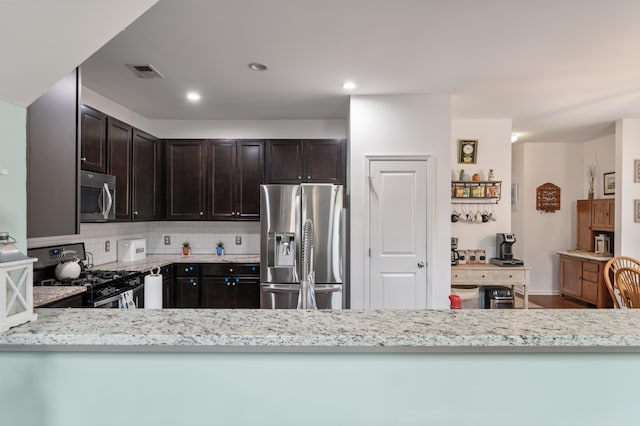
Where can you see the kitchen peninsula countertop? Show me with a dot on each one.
(151, 260)
(193, 330)
(589, 255)
(48, 294)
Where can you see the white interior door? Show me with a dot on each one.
(398, 234)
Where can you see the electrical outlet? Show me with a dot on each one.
(107, 246)
(167, 240)
(238, 240)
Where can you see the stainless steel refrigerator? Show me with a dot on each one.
(284, 209)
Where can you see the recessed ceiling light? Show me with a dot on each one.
(256, 66)
(348, 85)
(514, 137)
(193, 96)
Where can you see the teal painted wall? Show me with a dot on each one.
(13, 187)
(100, 389)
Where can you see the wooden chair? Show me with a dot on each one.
(627, 281)
(610, 269)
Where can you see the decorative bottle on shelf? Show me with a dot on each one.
(490, 177)
(461, 177)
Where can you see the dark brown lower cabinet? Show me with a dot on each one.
(186, 290)
(230, 292)
(231, 286)
(168, 300)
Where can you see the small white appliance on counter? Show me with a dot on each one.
(132, 249)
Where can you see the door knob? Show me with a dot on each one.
(421, 264)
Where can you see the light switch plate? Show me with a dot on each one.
(167, 240)
(238, 240)
(107, 246)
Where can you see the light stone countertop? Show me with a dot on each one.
(585, 255)
(47, 294)
(161, 260)
(187, 330)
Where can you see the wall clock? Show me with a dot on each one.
(467, 151)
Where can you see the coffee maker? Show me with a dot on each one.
(504, 251)
(455, 256)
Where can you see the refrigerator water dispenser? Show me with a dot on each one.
(285, 249)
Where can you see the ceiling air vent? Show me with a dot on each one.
(145, 71)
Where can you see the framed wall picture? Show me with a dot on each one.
(609, 183)
(636, 171)
(467, 151)
(636, 211)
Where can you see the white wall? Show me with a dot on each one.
(494, 152)
(218, 129)
(540, 235)
(114, 109)
(248, 129)
(627, 238)
(13, 159)
(600, 151)
(402, 125)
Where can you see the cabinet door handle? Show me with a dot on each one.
(483, 276)
(308, 177)
(230, 269)
(83, 159)
(299, 177)
(201, 213)
(233, 213)
(135, 212)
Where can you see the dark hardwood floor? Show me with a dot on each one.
(557, 302)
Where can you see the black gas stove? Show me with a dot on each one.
(104, 287)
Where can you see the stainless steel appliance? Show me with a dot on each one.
(103, 287)
(97, 197)
(504, 251)
(284, 209)
(455, 256)
(498, 298)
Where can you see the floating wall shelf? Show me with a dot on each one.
(484, 191)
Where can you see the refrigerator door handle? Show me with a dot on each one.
(274, 288)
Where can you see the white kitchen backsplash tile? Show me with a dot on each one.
(202, 236)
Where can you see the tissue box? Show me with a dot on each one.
(131, 250)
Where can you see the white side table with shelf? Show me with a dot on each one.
(488, 274)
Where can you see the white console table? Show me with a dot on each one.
(487, 274)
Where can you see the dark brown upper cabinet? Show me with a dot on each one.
(119, 152)
(324, 161)
(146, 179)
(185, 181)
(214, 179)
(284, 161)
(93, 140)
(52, 160)
(235, 173)
(309, 160)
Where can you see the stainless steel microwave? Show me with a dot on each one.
(97, 197)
